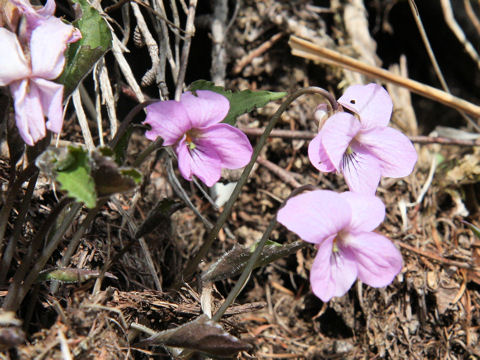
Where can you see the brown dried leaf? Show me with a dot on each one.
(201, 334)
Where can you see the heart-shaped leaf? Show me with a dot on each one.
(241, 102)
(70, 166)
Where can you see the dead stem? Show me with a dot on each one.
(309, 50)
(20, 221)
(309, 135)
(433, 59)
(17, 289)
(190, 31)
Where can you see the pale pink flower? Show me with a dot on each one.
(193, 127)
(340, 225)
(363, 149)
(28, 64)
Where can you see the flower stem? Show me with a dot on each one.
(193, 264)
(254, 257)
(246, 272)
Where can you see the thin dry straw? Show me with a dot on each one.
(309, 50)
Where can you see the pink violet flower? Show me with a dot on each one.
(340, 225)
(363, 149)
(193, 127)
(28, 64)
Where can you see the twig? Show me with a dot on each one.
(283, 174)
(66, 355)
(176, 21)
(219, 54)
(238, 3)
(82, 119)
(98, 101)
(309, 135)
(247, 59)
(152, 46)
(190, 32)
(161, 16)
(428, 182)
(457, 31)
(471, 15)
(117, 48)
(309, 50)
(107, 96)
(433, 60)
(426, 42)
(436, 257)
(165, 49)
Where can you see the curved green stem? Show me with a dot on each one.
(254, 257)
(246, 273)
(192, 266)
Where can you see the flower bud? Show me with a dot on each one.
(321, 114)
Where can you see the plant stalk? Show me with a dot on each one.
(193, 264)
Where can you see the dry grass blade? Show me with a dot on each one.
(309, 50)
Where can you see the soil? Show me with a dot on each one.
(432, 308)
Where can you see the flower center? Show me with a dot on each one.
(335, 248)
(189, 136)
(349, 159)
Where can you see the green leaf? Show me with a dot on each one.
(83, 54)
(84, 176)
(70, 166)
(233, 262)
(241, 102)
(73, 174)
